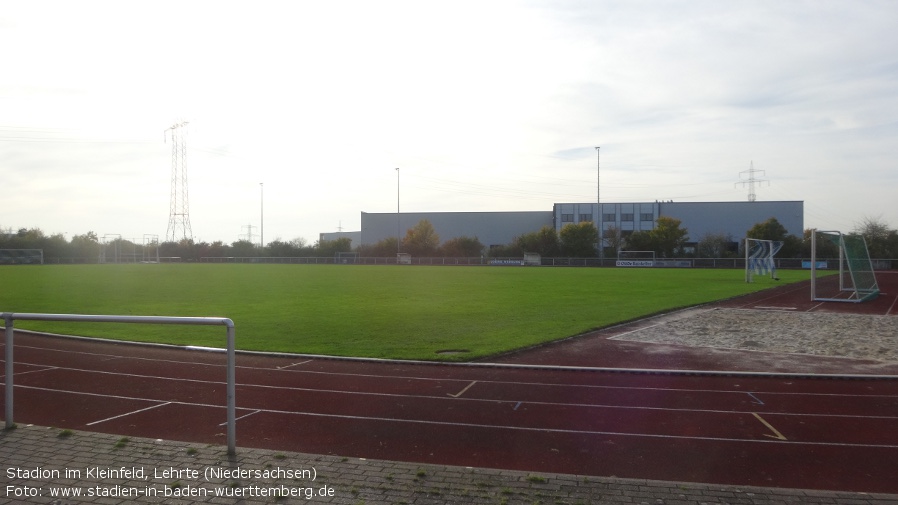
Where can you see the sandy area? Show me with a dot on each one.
(813, 333)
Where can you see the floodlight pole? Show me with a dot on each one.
(261, 216)
(398, 227)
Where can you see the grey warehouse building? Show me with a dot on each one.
(501, 228)
(492, 228)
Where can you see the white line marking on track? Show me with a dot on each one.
(463, 390)
(34, 371)
(475, 425)
(293, 364)
(759, 402)
(524, 384)
(128, 414)
(241, 417)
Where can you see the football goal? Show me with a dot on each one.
(403, 259)
(346, 258)
(856, 280)
(759, 258)
(532, 259)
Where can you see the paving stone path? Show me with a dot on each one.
(108, 469)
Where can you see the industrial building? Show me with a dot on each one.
(501, 228)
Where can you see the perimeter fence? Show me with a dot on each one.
(729, 263)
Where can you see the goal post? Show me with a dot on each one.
(856, 279)
(760, 258)
(403, 259)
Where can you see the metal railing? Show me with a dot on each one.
(10, 317)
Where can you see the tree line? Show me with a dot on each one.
(668, 239)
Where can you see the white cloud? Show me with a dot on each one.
(482, 105)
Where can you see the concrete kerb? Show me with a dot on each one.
(106, 468)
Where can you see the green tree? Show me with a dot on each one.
(614, 240)
(421, 239)
(328, 248)
(772, 229)
(244, 249)
(545, 242)
(639, 241)
(668, 238)
(385, 248)
(881, 241)
(768, 230)
(462, 247)
(579, 240)
(86, 247)
(715, 245)
(512, 250)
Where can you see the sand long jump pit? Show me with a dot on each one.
(858, 336)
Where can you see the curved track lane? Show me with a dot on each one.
(781, 431)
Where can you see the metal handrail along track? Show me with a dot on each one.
(10, 317)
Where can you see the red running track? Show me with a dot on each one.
(765, 431)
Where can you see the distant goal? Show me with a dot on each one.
(346, 258)
(760, 258)
(403, 259)
(532, 259)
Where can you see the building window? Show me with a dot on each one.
(567, 218)
(608, 218)
(626, 217)
(646, 216)
(585, 217)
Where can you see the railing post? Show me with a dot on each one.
(7, 319)
(231, 392)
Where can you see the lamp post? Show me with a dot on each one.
(398, 228)
(261, 216)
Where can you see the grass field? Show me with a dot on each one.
(373, 311)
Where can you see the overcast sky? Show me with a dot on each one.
(482, 105)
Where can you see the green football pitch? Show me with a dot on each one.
(408, 312)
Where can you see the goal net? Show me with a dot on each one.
(635, 258)
(856, 280)
(759, 258)
(346, 258)
(533, 259)
(403, 259)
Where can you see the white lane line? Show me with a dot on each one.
(493, 400)
(757, 400)
(293, 364)
(469, 386)
(128, 413)
(241, 417)
(589, 387)
(34, 371)
(488, 426)
(579, 432)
